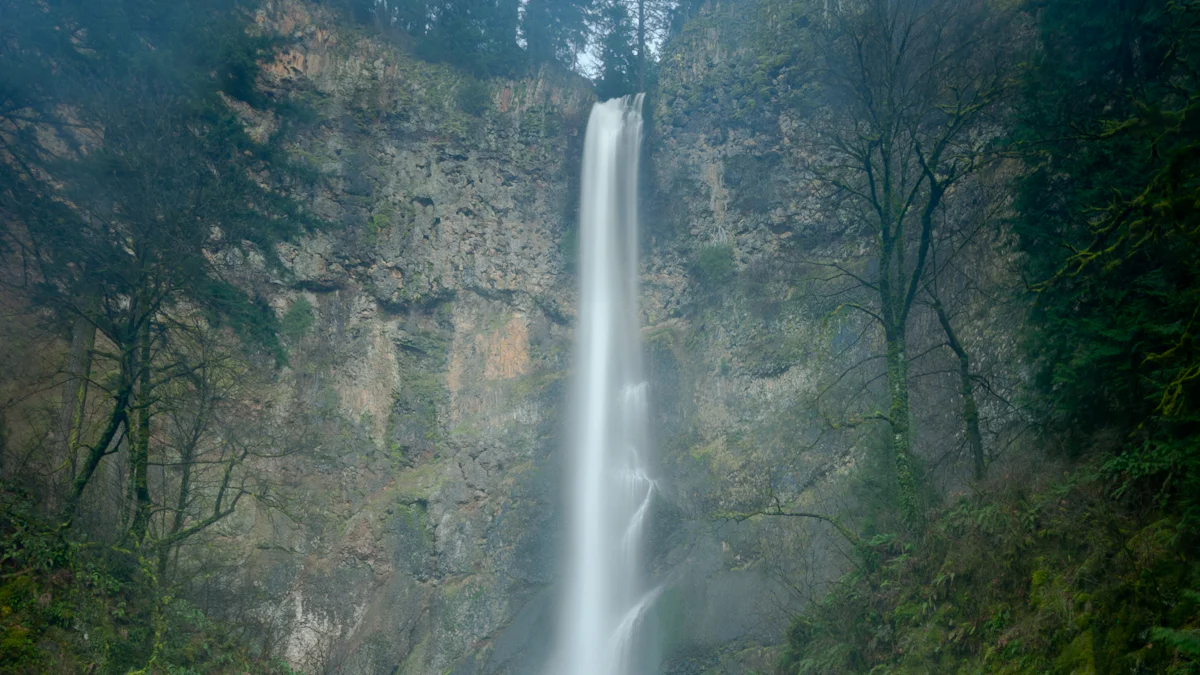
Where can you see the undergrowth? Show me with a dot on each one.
(72, 607)
(1055, 579)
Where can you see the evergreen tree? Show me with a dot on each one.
(618, 57)
(128, 186)
(556, 30)
(1109, 127)
(479, 35)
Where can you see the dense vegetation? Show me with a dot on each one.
(613, 41)
(1107, 217)
(1089, 567)
(1051, 577)
(127, 179)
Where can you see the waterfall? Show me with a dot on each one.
(609, 488)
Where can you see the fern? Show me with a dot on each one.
(1186, 641)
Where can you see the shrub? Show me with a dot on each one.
(474, 97)
(298, 320)
(714, 264)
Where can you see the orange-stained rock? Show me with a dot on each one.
(506, 351)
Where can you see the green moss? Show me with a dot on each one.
(67, 606)
(298, 320)
(465, 430)
(432, 344)
(474, 97)
(568, 249)
(418, 483)
(382, 219)
(1057, 581)
(1078, 658)
(416, 661)
(714, 265)
(533, 384)
(773, 353)
(414, 425)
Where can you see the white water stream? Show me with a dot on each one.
(609, 489)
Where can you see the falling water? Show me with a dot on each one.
(609, 488)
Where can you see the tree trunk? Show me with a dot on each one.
(970, 409)
(96, 453)
(641, 40)
(185, 486)
(164, 552)
(3, 443)
(74, 396)
(139, 455)
(898, 416)
(971, 416)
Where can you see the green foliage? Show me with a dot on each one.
(130, 193)
(1054, 580)
(1108, 222)
(1187, 642)
(556, 30)
(71, 607)
(508, 38)
(413, 426)
(714, 265)
(474, 97)
(773, 354)
(479, 36)
(161, 177)
(618, 56)
(381, 219)
(298, 320)
(568, 248)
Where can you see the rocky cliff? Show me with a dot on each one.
(431, 332)
(430, 335)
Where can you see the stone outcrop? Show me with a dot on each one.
(422, 410)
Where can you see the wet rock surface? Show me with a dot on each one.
(424, 405)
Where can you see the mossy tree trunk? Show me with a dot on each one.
(139, 455)
(181, 504)
(893, 288)
(74, 396)
(118, 418)
(187, 458)
(899, 279)
(912, 82)
(967, 389)
(901, 428)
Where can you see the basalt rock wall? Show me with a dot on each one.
(423, 407)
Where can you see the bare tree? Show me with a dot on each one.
(911, 84)
(970, 412)
(972, 290)
(205, 437)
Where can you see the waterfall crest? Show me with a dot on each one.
(609, 489)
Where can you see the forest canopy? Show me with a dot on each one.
(615, 42)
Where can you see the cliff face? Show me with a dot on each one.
(431, 336)
(423, 405)
(768, 381)
(423, 395)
